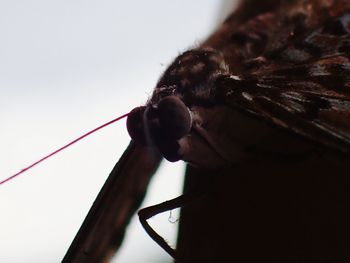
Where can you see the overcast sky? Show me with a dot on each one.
(65, 68)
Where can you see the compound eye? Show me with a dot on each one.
(174, 117)
(135, 125)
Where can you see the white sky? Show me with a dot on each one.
(65, 68)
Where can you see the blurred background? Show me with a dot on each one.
(65, 68)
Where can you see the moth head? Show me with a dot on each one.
(171, 120)
(161, 125)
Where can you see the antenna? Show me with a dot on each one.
(62, 148)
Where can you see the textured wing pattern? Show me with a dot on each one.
(301, 84)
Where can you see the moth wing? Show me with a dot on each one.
(303, 87)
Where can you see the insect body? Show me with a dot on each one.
(178, 107)
(298, 82)
(261, 112)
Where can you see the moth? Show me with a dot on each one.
(260, 111)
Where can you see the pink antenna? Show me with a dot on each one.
(62, 148)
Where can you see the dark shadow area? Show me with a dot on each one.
(267, 211)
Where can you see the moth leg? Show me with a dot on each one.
(148, 212)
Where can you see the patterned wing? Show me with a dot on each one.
(302, 83)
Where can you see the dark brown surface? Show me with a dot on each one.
(269, 210)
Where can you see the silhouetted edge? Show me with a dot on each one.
(103, 229)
